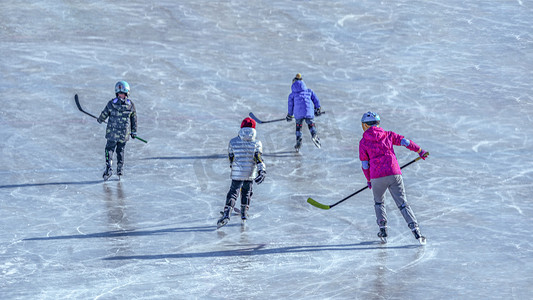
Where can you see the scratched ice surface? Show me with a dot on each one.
(454, 76)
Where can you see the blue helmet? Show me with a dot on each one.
(122, 87)
(370, 117)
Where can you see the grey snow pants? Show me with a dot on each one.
(394, 183)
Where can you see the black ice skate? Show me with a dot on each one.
(108, 172)
(316, 140)
(298, 144)
(382, 234)
(119, 172)
(244, 213)
(421, 239)
(225, 217)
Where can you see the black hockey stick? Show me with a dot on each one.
(80, 108)
(262, 122)
(270, 121)
(85, 112)
(324, 206)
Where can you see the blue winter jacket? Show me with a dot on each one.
(302, 100)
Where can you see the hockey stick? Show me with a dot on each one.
(261, 122)
(83, 111)
(324, 206)
(270, 121)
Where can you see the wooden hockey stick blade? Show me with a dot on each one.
(316, 204)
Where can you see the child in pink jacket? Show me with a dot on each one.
(382, 171)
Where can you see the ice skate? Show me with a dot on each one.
(225, 217)
(316, 141)
(298, 144)
(244, 213)
(119, 172)
(421, 239)
(382, 234)
(108, 172)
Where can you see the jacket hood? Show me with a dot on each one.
(374, 133)
(247, 134)
(298, 86)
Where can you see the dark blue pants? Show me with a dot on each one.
(110, 148)
(245, 189)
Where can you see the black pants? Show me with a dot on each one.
(245, 188)
(112, 146)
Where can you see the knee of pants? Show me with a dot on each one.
(403, 206)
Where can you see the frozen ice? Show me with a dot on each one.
(453, 76)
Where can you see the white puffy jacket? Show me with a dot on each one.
(245, 155)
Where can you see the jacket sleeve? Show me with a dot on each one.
(290, 108)
(258, 157)
(104, 114)
(408, 144)
(231, 154)
(365, 161)
(133, 118)
(316, 102)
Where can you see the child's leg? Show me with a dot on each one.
(311, 125)
(120, 155)
(397, 191)
(109, 150)
(246, 197)
(379, 187)
(299, 124)
(232, 195)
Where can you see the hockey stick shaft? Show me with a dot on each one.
(324, 206)
(271, 121)
(261, 122)
(81, 109)
(77, 100)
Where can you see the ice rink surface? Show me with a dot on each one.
(453, 76)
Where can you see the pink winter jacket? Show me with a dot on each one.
(376, 147)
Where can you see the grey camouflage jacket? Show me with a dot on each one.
(122, 119)
(245, 155)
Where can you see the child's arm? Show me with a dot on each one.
(104, 114)
(365, 165)
(314, 98)
(414, 147)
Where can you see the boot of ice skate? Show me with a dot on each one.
(225, 217)
(244, 212)
(298, 144)
(108, 171)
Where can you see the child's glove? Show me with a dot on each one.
(288, 118)
(260, 177)
(423, 154)
(318, 111)
(133, 135)
(369, 184)
(99, 121)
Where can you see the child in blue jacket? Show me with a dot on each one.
(303, 106)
